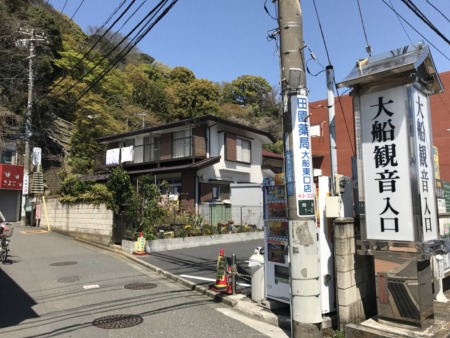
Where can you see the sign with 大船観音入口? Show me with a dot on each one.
(395, 173)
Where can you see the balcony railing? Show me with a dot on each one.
(181, 148)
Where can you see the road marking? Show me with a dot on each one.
(260, 326)
(93, 286)
(212, 280)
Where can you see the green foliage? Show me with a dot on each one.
(119, 184)
(74, 191)
(181, 75)
(247, 90)
(137, 83)
(149, 213)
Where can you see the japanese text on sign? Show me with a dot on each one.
(303, 166)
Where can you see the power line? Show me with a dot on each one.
(429, 42)
(321, 32)
(401, 23)
(130, 45)
(368, 48)
(439, 11)
(78, 8)
(421, 16)
(157, 8)
(90, 50)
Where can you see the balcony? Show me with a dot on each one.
(186, 149)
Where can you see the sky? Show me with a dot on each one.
(220, 40)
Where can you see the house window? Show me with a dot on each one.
(243, 150)
(182, 143)
(6, 156)
(237, 148)
(151, 149)
(174, 185)
(220, 192)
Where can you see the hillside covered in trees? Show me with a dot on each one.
(91, 84)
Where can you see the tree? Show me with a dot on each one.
(205, 97)
(247, 91)
(119, 184)
(181, 75)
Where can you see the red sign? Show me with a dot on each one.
(11, 177)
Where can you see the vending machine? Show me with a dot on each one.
(277, 241)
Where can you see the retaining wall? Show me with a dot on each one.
(83, 221)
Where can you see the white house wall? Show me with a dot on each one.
(230, 170)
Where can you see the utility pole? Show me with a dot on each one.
(332, 127)
(30, 44)
(306, 314)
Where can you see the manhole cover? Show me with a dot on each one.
(69, 279)
(63, 263)
(117, 321)
(140, 286)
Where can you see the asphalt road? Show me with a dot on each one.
(199, 265)
(54, 286)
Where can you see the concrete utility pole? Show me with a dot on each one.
(30, 44)
(332, 127)
(300, 189)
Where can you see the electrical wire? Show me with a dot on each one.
(429, 42)
(267, 11)
(334, 80)
(401, 23)
(94, 45)
(421, 16)
(368, 48)
(156, 9)
(439, 11)
(62, 10)
(321, 32)
(143, 32)
(90, 50)
(76, 11)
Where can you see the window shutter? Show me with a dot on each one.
(230, 147)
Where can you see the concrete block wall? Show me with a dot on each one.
(355, 282)
(83, 221)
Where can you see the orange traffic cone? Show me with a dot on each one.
(221, 280)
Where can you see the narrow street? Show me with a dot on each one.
(55, 286)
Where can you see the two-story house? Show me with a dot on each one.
(199, 157)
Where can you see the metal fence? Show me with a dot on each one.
(235, 214)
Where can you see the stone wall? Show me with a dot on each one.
(355, 284)
(82, 221)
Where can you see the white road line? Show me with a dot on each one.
(88, 287)
(212, 280)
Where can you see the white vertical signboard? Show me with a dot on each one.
(303, 161)
(386, 164)
(424, 164)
